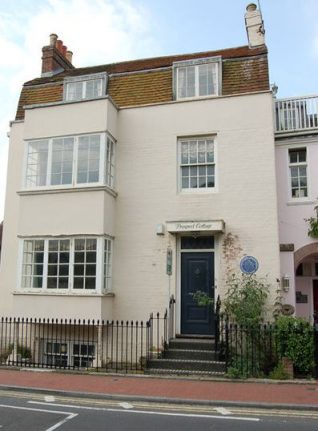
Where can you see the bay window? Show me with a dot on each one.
(80, 264)
(70, 161)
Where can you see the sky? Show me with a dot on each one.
(106, 31)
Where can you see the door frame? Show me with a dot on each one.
(216, 251)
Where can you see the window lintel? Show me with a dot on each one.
(197, 61)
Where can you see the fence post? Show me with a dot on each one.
(316, 349)
(227, 347)
(217, 322)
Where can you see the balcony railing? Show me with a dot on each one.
(296, 114)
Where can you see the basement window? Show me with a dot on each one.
(197, 78)
(85, 87)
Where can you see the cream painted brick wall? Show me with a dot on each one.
(147, 185)
(148, 192)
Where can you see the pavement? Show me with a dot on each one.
(302, 395)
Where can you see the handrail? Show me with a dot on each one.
(296, 114)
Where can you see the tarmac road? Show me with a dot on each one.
(29, 411)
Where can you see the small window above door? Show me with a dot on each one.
(197, 243)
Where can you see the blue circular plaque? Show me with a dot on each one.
(249, 265)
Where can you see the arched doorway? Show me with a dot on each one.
(306, 281)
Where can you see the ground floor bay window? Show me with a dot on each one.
(78, 264)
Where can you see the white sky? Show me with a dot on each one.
(105, 31)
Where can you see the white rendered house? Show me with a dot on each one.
(125, 180)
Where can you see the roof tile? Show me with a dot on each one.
(148, 81)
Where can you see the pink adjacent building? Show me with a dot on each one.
(296, 140)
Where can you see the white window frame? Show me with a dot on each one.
(105, 177)
(103, 77)
(180, 164)
(297, 164)
(217, 60)
(99, 277)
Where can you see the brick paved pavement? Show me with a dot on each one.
(305, 393)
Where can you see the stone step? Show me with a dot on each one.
(187, 364)
(204, 355)
(192, 344)
(168, 372)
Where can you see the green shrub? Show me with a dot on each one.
(234, 373)
(279, 373)
(245, 299)
(295, 340)
(202, 298)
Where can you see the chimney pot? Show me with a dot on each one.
(59, 44)
(251, 7)
(55, 57)
(69, 56)
(53, 39)
(254, 26)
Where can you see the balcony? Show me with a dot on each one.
(296, 115)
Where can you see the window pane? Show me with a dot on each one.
(302, 155)
(88, 159)
(74, 91)
(190, 81)
(193, 152)
(201, 242)
(90, 269)
(62, 161)
(78, 283)
(51, 283)
(58, 264)
(182, 82)
(210, 151)
(63, 270)
(185, 183)
(205, 84)
(109, 167)
(193, 182)
(202, 152)
(90, 283)
(32, 264)
(93, 88)
(80, 244)
(36, 172)
(184, 152)
(79, 269)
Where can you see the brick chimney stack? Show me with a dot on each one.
(55, 57)
(254, 26)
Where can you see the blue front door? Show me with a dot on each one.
(197, 273)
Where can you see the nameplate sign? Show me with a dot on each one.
(196, 226)
(287, 247)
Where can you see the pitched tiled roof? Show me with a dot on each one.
(146, 81)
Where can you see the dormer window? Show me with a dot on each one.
(197, 78)
(85, 87)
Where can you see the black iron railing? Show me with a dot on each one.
(108, 346)
(161, 329)
(257, 350)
